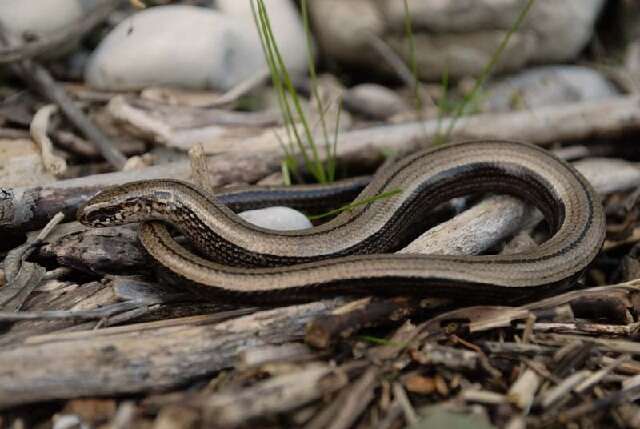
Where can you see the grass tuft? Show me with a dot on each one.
(300, 139)
(472, 96)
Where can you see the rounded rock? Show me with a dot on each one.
(547, 86)
(193, 47)
(374, 101)
(19, 17)
(278, 218)
(183, 46)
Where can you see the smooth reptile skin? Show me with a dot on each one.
(352, 252)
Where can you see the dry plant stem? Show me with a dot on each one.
(553, 395)
(38, 129)
(450, 357)
(68, 33)
(199, 170)
(522, 392)
(610, 400)
(134, 358)
(482, 318)
(410, 416)
(79, 146)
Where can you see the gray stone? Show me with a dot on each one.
(546, 86)
(374, 101)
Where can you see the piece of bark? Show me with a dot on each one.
(290, 352)
(434, 354)
(323, 330)
(137, 358)
(99, 250)
(474, 230)
(522, 392)
(24, 276)
(278, 394)
(613, 398)
(481, 318)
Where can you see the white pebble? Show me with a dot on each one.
(192, 47)
(278, 218)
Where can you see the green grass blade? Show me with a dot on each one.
(488, 69)
(356, 203)
(413, 64)
(316, 164)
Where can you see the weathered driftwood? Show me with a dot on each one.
(576, 121)
(613, 116)
(30, 208)
(104, 250)
(142, 357)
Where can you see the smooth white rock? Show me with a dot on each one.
(286, 24)
(42, 17)
(184, 46)
(546, 86)
(193, 47)
(278, 218)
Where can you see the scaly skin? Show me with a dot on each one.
(352, 253)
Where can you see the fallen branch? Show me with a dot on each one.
(601, 118)
(138, 358)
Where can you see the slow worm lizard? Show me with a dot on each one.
(352, 253)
